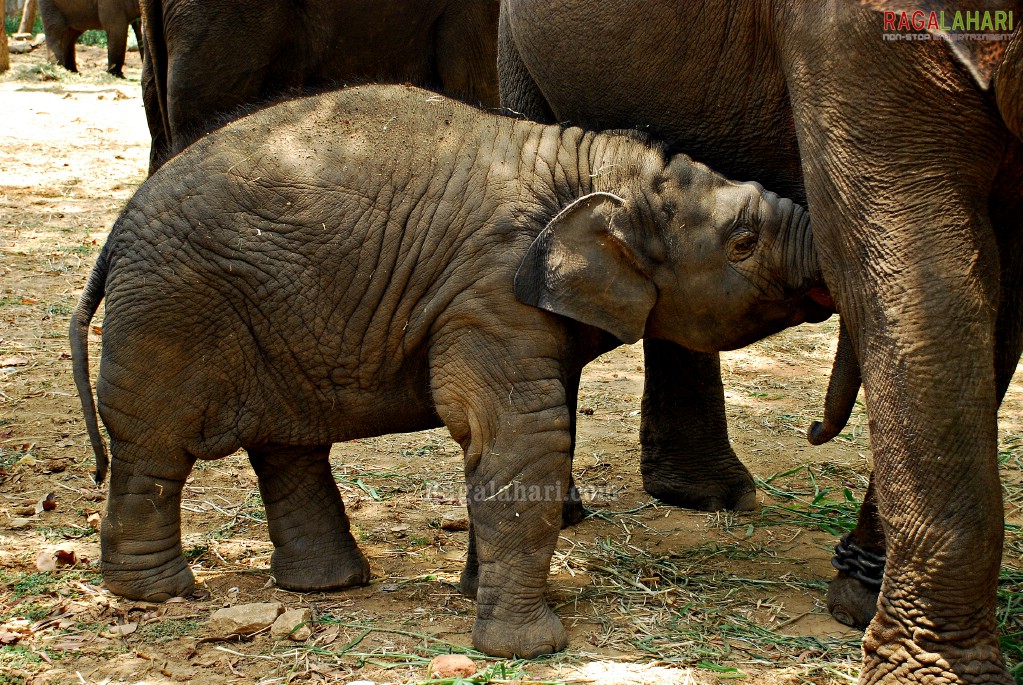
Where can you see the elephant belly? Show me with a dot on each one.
(304, 412)
(81, 16)
(728, 109)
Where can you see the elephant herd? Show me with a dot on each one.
(339, 255)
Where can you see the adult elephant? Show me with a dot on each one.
(205, 59)
(909, 155)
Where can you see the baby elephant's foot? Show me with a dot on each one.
(172, 579)
(315, 570)
(544, 635)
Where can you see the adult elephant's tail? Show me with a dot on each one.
(79, 335)
(154, 82)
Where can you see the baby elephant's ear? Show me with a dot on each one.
(580, 267)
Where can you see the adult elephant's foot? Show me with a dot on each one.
(320, 568)
(128, 578)
(961, 658)
(851, 602)
(499, 633)
(687, 459)
(314, 548)
(573, 511)
(708, 483)
(852, 595)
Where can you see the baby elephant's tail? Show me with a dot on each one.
(79, 335)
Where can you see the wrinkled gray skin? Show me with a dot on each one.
(64, 21)
(207, 58)
(385, 260)
(909, 155)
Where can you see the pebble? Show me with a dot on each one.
(451, 666)
(244, 619)
(293, 624)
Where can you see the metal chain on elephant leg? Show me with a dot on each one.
(858, 563)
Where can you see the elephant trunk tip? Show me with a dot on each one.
(843, 388)
(821, 432)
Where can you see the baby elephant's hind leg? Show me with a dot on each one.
(141, 533)
(314, 549)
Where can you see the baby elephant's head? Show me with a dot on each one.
(691, 257)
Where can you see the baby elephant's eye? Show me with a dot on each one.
(741, 244)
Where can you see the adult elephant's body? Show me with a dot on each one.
(906, 155)
(208, 58)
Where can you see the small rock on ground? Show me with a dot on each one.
(451, 666)
(244, 619)
(293, 624)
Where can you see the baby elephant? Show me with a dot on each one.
(64, 21)
(381, 260)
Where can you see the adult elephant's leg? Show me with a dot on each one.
(159, 150)
(136, 27)
(573, 511)
(860, 560)
(469, 582)
(686, 458)
(907, 246)
(313, 546)
(140, 537)
(117, 47)
(860, 556)
(1006, 207)
(519, 92)
(66, 57)
(466, 51)
(60, 37)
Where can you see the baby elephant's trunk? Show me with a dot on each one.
(801, 263)
(798, 262)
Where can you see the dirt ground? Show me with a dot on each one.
(649, 593)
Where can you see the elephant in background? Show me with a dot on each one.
(909, 155)
(205, 59)
(314, 293)
(64, 21)
(28, 17)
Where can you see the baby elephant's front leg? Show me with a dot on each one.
(516, 520)
(517, 446)
(313, 548)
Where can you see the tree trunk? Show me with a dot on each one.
(28, 17)
(5, 56)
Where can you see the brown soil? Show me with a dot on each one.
(72, 151)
